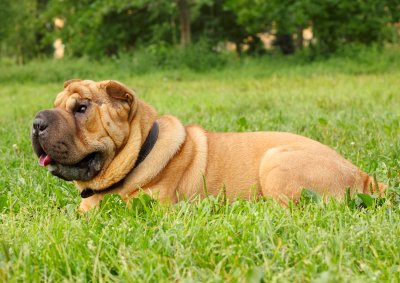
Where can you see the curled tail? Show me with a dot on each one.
(372, 186)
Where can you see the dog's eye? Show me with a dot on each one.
(81, 109)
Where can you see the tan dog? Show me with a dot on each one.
(108, 141)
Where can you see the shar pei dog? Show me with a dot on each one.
(106, 140)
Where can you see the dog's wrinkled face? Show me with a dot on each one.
(79, 137)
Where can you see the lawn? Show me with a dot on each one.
(351, 105)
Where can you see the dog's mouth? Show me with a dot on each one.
(84, 170)
(44, 160)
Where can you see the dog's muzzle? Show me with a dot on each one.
(51, 141)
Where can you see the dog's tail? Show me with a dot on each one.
(372, 186)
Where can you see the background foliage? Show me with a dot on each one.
(97, 28)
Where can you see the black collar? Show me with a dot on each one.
(144, 151)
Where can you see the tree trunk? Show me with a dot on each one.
(184, 15)
(285, 42)
(299, 38)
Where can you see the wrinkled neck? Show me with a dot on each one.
(125, 159)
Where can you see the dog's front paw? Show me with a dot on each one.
(89, 203)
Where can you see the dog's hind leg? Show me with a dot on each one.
(285, 171)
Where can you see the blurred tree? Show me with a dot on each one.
(98, 27)
(184, 15)
(280, 17)
(5, 27)
(217, 23)
(22, 29)
(337, 23)
(334, 22)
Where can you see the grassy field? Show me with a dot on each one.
(351, 105)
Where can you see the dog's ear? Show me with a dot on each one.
(119, 91)
(67, 83)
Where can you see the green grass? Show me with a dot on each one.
(351, 105)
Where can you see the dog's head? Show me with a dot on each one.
(89, 124)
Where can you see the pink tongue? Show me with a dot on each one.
(44, 160)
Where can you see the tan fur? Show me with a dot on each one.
(245, 165)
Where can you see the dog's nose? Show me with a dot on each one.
(39, 126)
